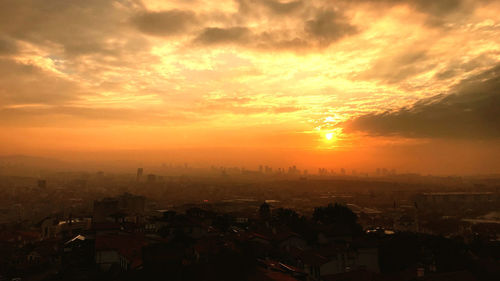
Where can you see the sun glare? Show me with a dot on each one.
(329, 136)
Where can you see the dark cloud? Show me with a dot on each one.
(471, 112)
(272, 41)
(164, 23)
(438, 8)
(323, 29)
(465, 66)
(7, 46)
(244, 37)
(437, 11)
(70, 28)
(216, 35)
(76, 27)
(273, 7)
(329, 26)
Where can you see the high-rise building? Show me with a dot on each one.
(139, 173)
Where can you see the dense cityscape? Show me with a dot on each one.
(184, 223)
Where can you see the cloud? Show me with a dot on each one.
(438, 12)
(432, 7)
(72, 26)
(244, 37)
(396, 68)
(464, 66)
(272, 7)
(27, 84)
(7, 46)
(323, 29)
(329, 26)
(470, 111)
(438, 8)
(68, 116)
(240, 106)
(216, 35)
(282, 8)
(165, 23)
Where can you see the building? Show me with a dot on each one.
(453, 198)
(139, 173)
(126, 207)
(151, 178)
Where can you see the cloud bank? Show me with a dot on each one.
(472, 110)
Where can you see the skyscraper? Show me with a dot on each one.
(139, 173)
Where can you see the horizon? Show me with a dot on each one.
(20, 164)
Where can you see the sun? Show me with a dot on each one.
(332, 135)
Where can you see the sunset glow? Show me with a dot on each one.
(315, 83)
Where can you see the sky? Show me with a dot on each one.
(411, 84)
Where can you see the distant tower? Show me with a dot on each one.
(139, 173)
(42, 184)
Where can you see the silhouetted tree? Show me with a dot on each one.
(339, 215)
(335, 214)
(285, 216)
(265, 211)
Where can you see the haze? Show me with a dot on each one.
(411, 85)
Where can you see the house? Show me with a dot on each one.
(46, 252)
(331, 233)
(287, 239)
(186, 225)
(336, 258)
(120, 250)
(166, 256)
(312, 262)
(126, 207)
(282, 237)
(52, 227)
(210, 246)
(282, 267)
(48, 227)
(19, 238)
(100, 228)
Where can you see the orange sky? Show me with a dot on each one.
(409, 84)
